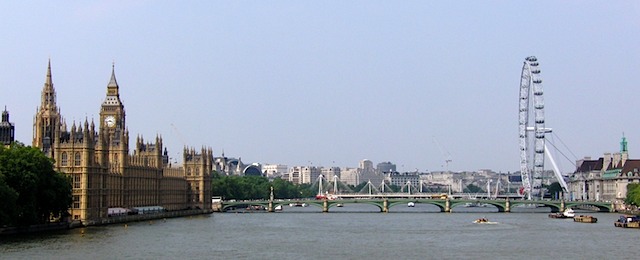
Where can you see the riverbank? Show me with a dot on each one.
(105, 221)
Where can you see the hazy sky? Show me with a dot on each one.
(330, 83)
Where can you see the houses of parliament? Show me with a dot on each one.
(106, 177)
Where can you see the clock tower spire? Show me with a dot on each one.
(112, 116)
(112, 113)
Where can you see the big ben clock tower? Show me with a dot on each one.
(113, 132)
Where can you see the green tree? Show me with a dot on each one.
(34, 191)
(555, 189)
(256, 187)
(633, 194)
(472, 189)
(9, 197)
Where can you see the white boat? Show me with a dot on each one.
(278, 208)
(475, 204)
(411, 204)
(569, 213)
(339, 205)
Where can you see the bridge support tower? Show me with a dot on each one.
(562, 206)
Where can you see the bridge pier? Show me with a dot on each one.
(447, 205)
(270, 205)
(562, 206)
(507, 206)
(385, 205)
(325, 205)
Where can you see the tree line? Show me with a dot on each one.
(31, 191)
(256, 188)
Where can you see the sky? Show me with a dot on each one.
(330, 83)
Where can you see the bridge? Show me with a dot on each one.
(385, 204)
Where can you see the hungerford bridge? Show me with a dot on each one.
(385, 201)
(445, 202)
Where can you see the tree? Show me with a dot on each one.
(554, 189)
(472, 189)
(633, 194)
(9, 197)
(32, 191)
(256, 187)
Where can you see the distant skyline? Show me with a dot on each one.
(332, 83)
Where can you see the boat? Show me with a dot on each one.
(339, 205)
(475, 204)
(298, 204)
(585, 219)
(627, 221)
(411, 204)
(484, 221)
(255, 207)
(568, 213)
(278, 208)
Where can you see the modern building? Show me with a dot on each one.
(350, 176)
(330, 173)
(105, 176)
(7, 129)
(368, 173)
(303, 174)
(385, 167)
(606, 178)
(274, 170)
(407, 181)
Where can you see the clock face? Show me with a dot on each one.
(110, 121)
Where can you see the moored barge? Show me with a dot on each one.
(585, 219)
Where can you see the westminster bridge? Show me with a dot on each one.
(387, 202)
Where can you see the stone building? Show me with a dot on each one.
(7, 129)
(606, 178)
(104, 174)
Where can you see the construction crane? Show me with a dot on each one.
(184, 144)
(445, 154)
(175, 129)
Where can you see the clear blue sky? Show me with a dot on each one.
(333, 82)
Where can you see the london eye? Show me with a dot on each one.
(531, 128)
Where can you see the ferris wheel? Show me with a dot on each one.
(531, 126)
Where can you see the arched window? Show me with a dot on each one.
(77, 159)
(64, 159)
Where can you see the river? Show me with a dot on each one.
(352, 232)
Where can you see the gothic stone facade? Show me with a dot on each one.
(104, 174)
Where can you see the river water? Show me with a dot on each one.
(351, 232)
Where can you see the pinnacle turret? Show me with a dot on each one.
(48, 91)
